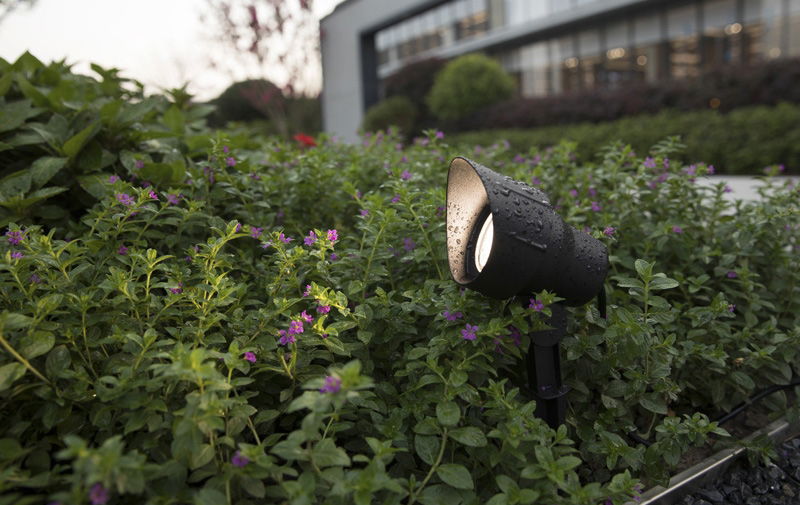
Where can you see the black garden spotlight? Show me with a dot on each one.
(504, 239)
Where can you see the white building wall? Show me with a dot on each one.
(342, 96)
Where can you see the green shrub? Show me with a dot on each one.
(278, 324)
(396, 111)
(743, 141)
(467, 84)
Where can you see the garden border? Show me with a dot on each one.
(714, 466)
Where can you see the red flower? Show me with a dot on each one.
(305, 140)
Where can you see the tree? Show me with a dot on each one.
(9, 6)
(279, 40)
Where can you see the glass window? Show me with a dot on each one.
(649, 52)
(794, 28)
(591, 60)
(684, 50)
(763, 29)
(535, 63)
(722, 34)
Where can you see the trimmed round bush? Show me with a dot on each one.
(396, 111)
(467, 84)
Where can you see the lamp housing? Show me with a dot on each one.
(505, 239)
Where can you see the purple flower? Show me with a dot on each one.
(518, 158)
(406, 175)
(112, 179)
(334, 257)
(596, 207)
(239, 460)
(364, 212)
(306, 316)
(17, 255)
(649, 162)
(255, 176)
(178, 290)
(307, 292)
(439, 211)
(469, 332)
(536, 305)
(323, 309)
(230, 161)
(139, 164)
(439, 134)
(609, 231)
(333, 235)
(452, 316)
(125, 199)
(35, 279)
(690, 170)
(332, 385)
(255, 231)
(296, 327)
(731, 274)
(395, 198)
(711, 170)
(146, 184)
(173, 199)
(573, 193)
(238, 227)
(14, 237)
(284, 238)
(286, 338)
(225, 149)
(666, 163)
(152, 194)
(404, 159)
(311, 238)
(408, 244)
(677, 229)
(98, 495)
(536, 181)
(122, 251)
(727, 189)
(266, 245)
(250, 356)
(732, 307)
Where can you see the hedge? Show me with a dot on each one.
(743, 141)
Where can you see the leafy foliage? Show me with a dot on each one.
(467, 84)
(270, 321)
(742, 141)
(396, 111)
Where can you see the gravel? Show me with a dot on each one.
(775, 484)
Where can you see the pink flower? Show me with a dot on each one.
(469, 332)
(307, 292)
(677, 229)
(286, 338)
(255, 231)
(112, 179)
(731, 274)
(17, 255)
(139, 164)
(406, 175)
(122, 251)
(152, 194)
(311, 238)
(230, 161)
(125, 199)
(332, 385)
(284, 238)
(306, 316)
(395, 198)
(296, 327)
(364, 212)
(173, 199)
(609, 231)
(323, 309)
(573, 193)
(333, 235)
(596, 207)
(536, 305)
(250, 356)
(239, 460)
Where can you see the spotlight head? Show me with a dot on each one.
(505, 239)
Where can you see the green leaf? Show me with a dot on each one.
(96, 185)
(31, 92)
(5, 83)
(743, 380)
(567, 463)
(448, 413)
(174, 119)
(643, 268)
(469, 436)
(45, 168)
(426, 447)
(325, 454)
(253, 487)
(657, 406)
(629, 282)
(36, 344)
(14, 114)
(9, 373)
(663, 283)
(58, 360)
(455, 475)
(15, 184)
(209, 496)
(74, 145)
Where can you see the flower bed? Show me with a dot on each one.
(218, 317)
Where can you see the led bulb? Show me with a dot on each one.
(484, 245)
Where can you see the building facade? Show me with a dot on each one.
(549, 46)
